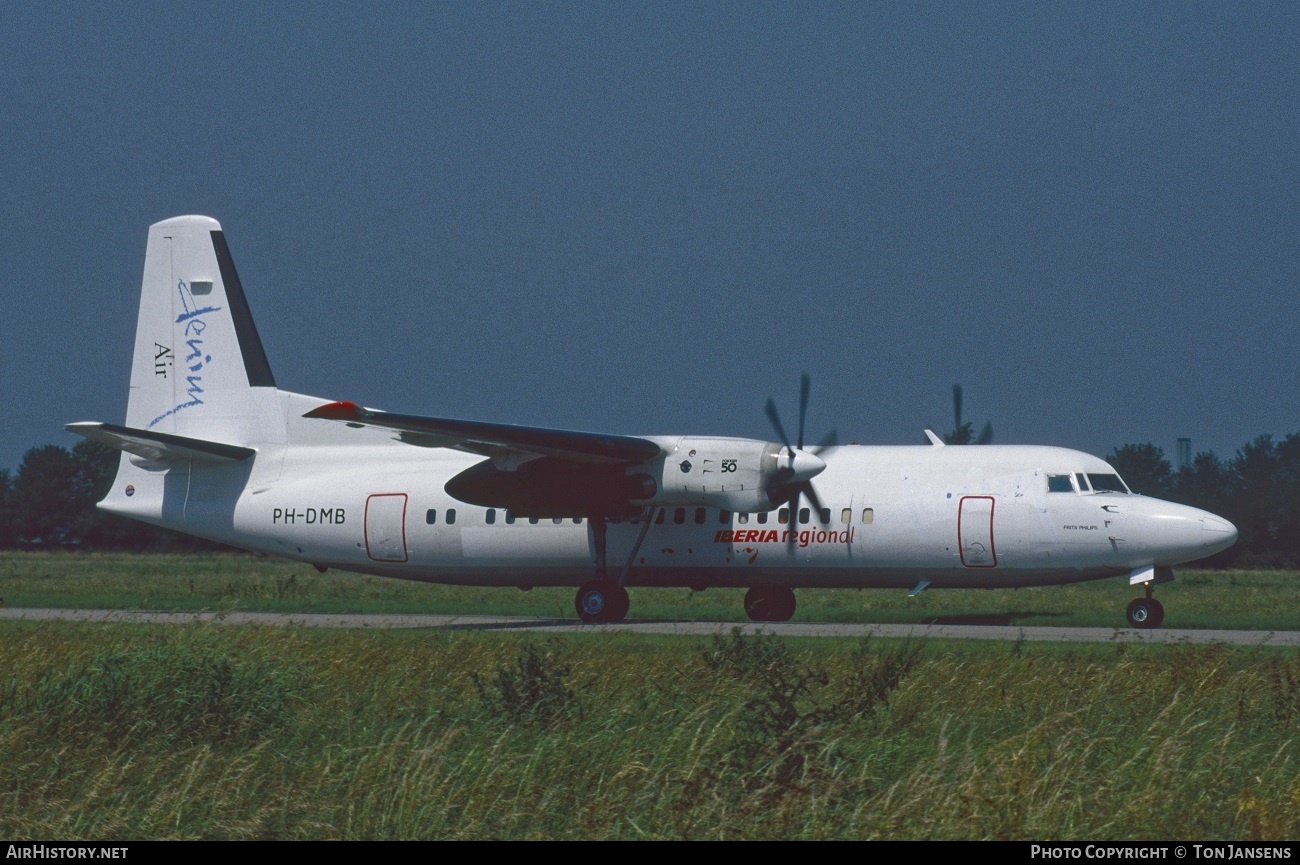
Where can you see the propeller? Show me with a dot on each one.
(964, 433)
(796, 465)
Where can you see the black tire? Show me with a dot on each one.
(1145, 613)
(601, 601)
(619, 603)
(769, 604)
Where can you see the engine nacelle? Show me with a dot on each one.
(729, 473)
(743, 475)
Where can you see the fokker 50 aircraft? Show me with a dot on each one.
(212, 447)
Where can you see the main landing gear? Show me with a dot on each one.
(604, 600)
(769, 603)
(1145, 612)
(601, 601)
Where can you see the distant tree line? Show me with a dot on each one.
(50, 502)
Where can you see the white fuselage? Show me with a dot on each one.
(972, 516)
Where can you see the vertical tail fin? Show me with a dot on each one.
(199, 368)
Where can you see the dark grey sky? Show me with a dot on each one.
(646, 218)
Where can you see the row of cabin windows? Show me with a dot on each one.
(489, 517)
(679, 517)
(782, 516)
(823, 516)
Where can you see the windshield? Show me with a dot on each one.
(1059, 484)
(1107, 484)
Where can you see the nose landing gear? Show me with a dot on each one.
(1145, 612)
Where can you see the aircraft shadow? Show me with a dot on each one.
(1004, 619)
(528, 624)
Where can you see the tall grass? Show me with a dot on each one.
(128, 732)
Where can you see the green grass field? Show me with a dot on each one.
(119, 732)
(138, 732)
(1260, 600)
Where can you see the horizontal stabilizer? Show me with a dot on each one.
(160, 447)
(489, 439)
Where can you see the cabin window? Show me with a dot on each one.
(805, 515)
(491, 516)
(783, 516)
(762, 518)
(846, 516)
(724, 517)
(1107, 484)
(451, 516)
(431, 516)
(679, 516)
(510, 518)
(699, 516)
(743, 519)
(577, 521)
(532, 521)
(1059, 484)
(659, 517)
(557, 520)
(868, 515)
(824, 516)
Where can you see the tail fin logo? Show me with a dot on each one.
(197, 358)
(162, 359)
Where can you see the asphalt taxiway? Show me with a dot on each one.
(789, 629)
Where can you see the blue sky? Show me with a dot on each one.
(646, 218)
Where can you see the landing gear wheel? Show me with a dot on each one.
(769, 604)
(601, 601)
(1145, 613)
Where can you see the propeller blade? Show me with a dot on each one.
(775, 418)
(813, 499)
(830, 440)
(986, 434)
(782, 485)
(805, 386)
(790, 526)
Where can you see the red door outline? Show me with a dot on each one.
(971, 523)
(385, 555)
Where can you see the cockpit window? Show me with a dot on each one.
(1059, 484)
(1107, 484)
(1081, 481)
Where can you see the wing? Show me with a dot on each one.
(496, 439)
(160, 447)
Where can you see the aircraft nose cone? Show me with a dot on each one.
(1217, 533)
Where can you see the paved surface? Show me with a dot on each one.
(791, 629)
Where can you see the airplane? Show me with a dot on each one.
(213, 447)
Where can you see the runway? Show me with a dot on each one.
(683, 628)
